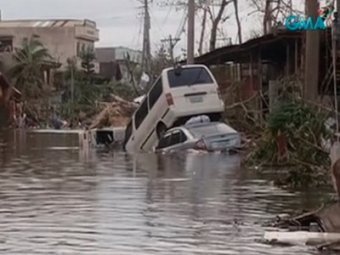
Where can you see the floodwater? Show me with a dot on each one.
(57, 200)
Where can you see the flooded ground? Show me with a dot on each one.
(55, 200)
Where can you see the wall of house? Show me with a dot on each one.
(61, 42)
(135, 55)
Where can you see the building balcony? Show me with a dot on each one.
(87, 33)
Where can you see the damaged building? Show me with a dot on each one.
(258, 66)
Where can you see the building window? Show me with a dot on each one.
(6, 44)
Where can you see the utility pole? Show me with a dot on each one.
(335, 42)
(191, 32)
(172, 43)
(146, 62)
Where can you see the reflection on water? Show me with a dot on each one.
(55, 200)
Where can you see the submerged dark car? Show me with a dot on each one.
(207, 136)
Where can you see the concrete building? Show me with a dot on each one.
(114, 62)
(63, 38)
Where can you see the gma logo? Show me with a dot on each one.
(295, 23)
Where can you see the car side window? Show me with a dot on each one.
(164, 142)
(183, 137)
(172, 139)
(175, 138)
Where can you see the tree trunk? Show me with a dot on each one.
(239, 27)
(267, 17)
(204, 21)
(282, 147)
(213, 36)
(215, 22)
(312, 55)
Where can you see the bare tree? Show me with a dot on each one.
(238, 22)
(273, 11)
(208, 9)
(204, 22)
(220, 18)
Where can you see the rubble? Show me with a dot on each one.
(114, 114)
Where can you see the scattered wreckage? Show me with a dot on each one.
(320, 228)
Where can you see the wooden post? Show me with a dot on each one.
(251, 69)
(287, 59)
(312, 55)
(296, 55)
(260, 87)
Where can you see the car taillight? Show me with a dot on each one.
(200, 145)
(169, 99)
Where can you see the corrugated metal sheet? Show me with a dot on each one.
(45, 23)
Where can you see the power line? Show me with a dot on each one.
(181, 27)
(167, 15)
(172, 43)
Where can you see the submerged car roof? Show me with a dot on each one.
(204, 124)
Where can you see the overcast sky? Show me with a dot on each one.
(120, 21)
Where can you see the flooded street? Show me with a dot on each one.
(55, 200)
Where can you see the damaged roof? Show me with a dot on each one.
(47, 23)
(273, 43)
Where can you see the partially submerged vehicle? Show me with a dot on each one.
(106, 137)
(178, 94)
(204, 136)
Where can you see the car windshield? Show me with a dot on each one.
(210, 130)
(189, 76)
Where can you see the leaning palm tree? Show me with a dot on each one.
(27, 71)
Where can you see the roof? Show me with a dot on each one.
(240, 52)
(47, 23)
(203, 124)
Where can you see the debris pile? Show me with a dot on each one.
(116, 113)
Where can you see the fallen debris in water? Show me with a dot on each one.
(115, 113)
(320, 228)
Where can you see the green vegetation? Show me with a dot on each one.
(80, 88)
(84, 90)
(294, 138)
(27, 71)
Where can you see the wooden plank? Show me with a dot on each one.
(301, 238)
(55, 131)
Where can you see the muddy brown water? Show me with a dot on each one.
(57, 200)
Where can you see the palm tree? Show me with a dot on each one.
(27, 72)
